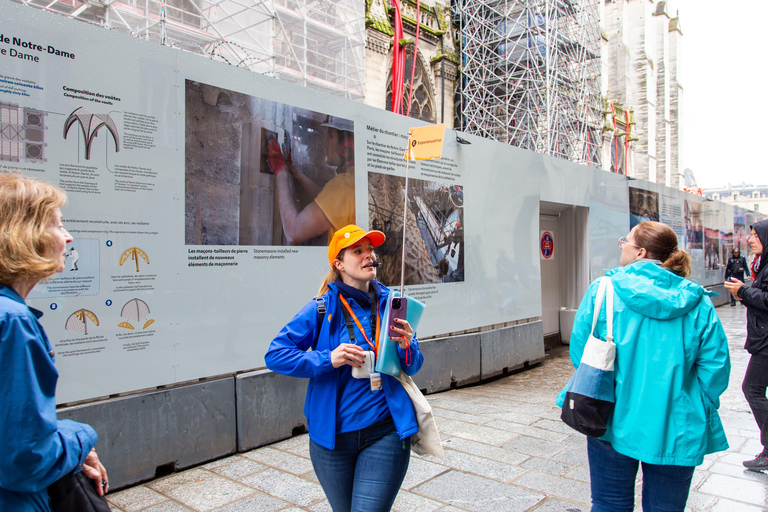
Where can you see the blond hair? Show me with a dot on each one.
(27, 208)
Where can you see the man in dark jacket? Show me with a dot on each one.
(736, 267)
(755, 298)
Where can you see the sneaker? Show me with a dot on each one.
(759, 463)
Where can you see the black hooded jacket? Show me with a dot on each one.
(755, 298)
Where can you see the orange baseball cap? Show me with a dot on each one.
(349, 235)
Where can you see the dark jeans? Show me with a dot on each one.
(612, 476)
(364, 472)
(754, 386)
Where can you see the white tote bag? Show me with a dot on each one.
(427, 440)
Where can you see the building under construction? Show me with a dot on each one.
(531, 75)
(314, 43)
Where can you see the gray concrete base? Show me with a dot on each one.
(510, 348)
(269, 407)
(723, 298)
(169, 429)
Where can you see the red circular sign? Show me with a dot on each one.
(547, 245)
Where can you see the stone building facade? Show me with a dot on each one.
(437, 58)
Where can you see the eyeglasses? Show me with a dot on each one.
(623, 241)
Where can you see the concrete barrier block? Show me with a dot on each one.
(510, 348)
(269, 407)
(159, 432)
(449, 362)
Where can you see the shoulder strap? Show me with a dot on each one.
(321, 309)
(604, 289)
(348, 320)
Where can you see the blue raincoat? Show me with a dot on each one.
(289, 354)
(672, 365)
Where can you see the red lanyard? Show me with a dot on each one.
(375, 343)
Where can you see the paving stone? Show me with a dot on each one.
(534, 447)
(738, 472)
(286, 487)
(474, 493)
(323, 506)
(737, 489)
(517, 417)
(451, 508)
(556, 486)
(283, 461)
(291, 442)
(580, 473)
(556, 505)
(485, 450)
(135, 498)
(168, 506)
(200, 489)
(420, 470)
(481, 466)
(528, 430)
(461, 416)
(699, 501)
(239, 468)
(573, 455)
(256, 502)
(409, 502)
(492, 436)
(725, 505)
(546, 466)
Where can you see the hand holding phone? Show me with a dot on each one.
(398, 307)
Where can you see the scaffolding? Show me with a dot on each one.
(531, 75)
(318, 44)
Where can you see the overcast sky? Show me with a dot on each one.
(724, 74)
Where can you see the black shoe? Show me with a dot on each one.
(733, 304)
(759, 463)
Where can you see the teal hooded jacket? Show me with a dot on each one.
(671, 367)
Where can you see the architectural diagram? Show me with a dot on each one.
(78, 321)
(90, 125)
(136, 310)
(134, 253)
(22, 134)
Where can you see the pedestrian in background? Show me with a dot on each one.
(736, 268)
(37, 449)
(671, 367)
(755, 298)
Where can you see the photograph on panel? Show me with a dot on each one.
(260, 172)
(434, 252)
(643, 206)
(694, 231)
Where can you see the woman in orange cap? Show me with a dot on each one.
(359, 421)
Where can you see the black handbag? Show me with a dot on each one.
(76, 493)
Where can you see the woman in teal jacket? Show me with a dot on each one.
(671, 367)
(359, 425)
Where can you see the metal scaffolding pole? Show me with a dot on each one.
(531, 71)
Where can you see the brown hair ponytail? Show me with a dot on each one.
(660, 243)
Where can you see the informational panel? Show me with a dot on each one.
(187, 255)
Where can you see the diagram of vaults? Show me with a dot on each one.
(90, 125)
(22, 134)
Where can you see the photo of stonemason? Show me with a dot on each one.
(260, 172)
(434, 229)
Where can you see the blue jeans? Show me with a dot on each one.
(612, 476)
(364, 472)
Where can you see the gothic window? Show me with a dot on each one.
(422, 99)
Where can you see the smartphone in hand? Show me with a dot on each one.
(398, 307)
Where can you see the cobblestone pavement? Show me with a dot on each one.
(506, 450)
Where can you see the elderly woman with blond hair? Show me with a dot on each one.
(37, 449)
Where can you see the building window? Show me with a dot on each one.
(715, 196)
(735, 196)
(755, 194)
(422, 101)
(757, 207)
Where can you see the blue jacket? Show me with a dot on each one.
(35, 448)
(289, 354)
(672, 365)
